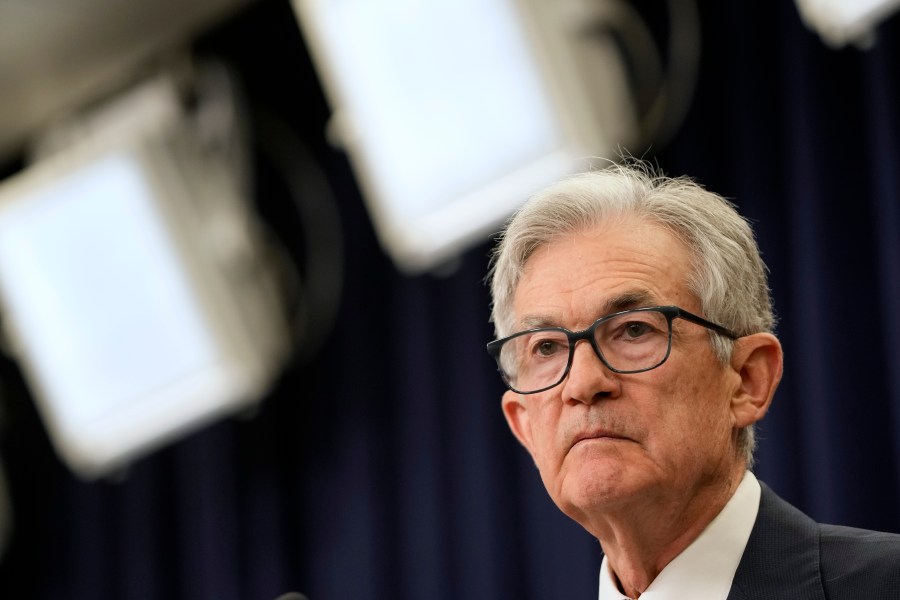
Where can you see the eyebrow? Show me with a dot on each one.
(631, 299)
(635, 298)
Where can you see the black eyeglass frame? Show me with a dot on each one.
(670, 312)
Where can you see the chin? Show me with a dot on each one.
(597, 487)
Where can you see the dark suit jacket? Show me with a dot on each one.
(791, 557)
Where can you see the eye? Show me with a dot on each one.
(547, 347)
(635, 329)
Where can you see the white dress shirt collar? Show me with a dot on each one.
(705, 569)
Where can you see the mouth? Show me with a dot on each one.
(599, 436)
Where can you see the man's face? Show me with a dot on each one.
(612, 442)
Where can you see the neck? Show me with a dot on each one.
(639, 541)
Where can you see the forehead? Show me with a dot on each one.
(581, 276)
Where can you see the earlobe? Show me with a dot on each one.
(757, 359)
(516, 414)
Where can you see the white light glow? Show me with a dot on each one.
(90, 275)
(110, 327)
(445, 113)
(133, 319)
(840, 22)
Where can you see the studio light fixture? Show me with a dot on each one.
(134, 290)
(453, 112)
(842, 22)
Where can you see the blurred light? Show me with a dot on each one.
(132, 291)
(841, 22)
(453, 112)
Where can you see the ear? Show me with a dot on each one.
(757, 359)
(516, 413)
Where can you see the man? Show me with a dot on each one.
(634, 326)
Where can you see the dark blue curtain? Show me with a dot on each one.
(380, 467)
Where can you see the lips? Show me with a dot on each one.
(598, 435)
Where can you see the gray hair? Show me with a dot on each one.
(728, 276)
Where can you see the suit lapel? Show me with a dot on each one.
(781, 561)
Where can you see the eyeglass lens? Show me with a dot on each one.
(629, 342)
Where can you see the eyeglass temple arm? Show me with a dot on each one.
(687, 316)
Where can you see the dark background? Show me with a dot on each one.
(380, 467)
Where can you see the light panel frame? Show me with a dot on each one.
(453, 113)
(134, 316)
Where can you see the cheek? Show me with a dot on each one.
(547, 451)
(690, 418)
(711, 407)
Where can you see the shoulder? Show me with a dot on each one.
(859, 560)
(791, 556)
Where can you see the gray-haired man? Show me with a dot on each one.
(635, 334)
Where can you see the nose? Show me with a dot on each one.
(589, 379)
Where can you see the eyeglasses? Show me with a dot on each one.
(630, 341)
